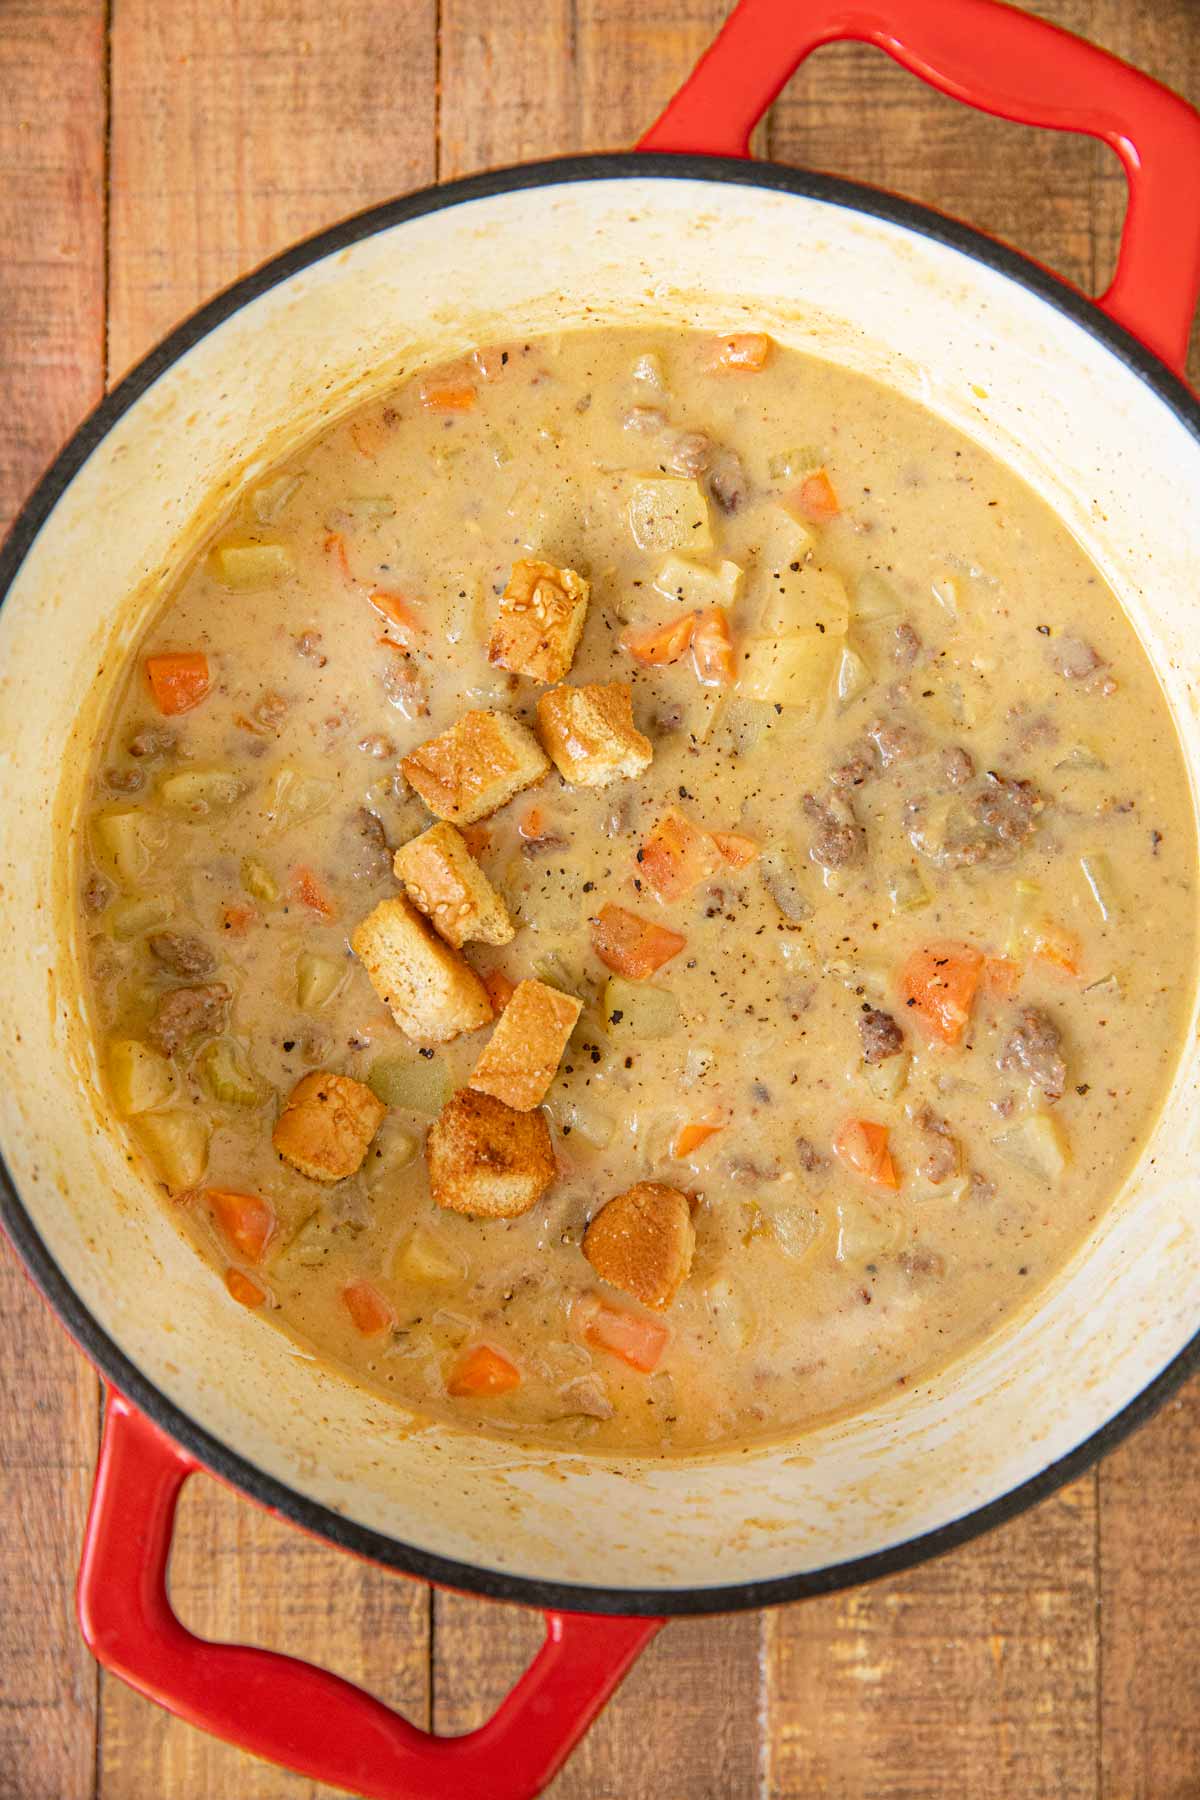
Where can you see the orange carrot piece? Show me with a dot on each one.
(739, 852)
(532, 824)
(1000, 976)
(397, 611)
(689, 1137)
(745, 351)
(311, 892)
(500, 989)
(630, 945)
(678, 856)
(939, 984)
(369, 436)
(1054, 945)
(246, 1221)
(178, 680)
(371, 1313)
(637, 1341)
(816, 499)
(481, 1373)
(237, 920)
(712, 649)
(334, 544)
(661, 643)
(863, 1147)
(447, 397)
(244, 1289)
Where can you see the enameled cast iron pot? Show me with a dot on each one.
(1083, 399)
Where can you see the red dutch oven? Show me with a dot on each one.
(1082, 397)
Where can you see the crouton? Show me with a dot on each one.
(590, 735)
(642, 1242)
(326, 1126)
(444, 881)
(487, 1160)
(475, 767)
(432, 992)
(540, 621)
(526, 1047)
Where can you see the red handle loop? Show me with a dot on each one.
(289, 1711)
(1002, 61)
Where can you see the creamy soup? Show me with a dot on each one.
(640, 894)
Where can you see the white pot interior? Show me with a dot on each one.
(990, 357)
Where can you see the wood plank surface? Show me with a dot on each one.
(52, 128)
(1053, 1659)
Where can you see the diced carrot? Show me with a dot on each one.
(397, 611)
(745, 351)
(712, 649)
(815, 498)
(689, 1137)
(477, 838)
(238, 919)
(1055, 945)
(1000, 976)
(481, 1373)
(739, 852)
(369, 436)
(637, 1341)
(631, 945)
(334, 544)
(939, 983)
(371, 1313)
(677, 856)
(178, 680)
(310, 892)
(661, 643)
(448, 397)
(532, 824)
(244, 1289)
(863, 1147)
(500, 989)
(246, 1221)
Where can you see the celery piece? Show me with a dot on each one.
(130, 918)
(421, 1085)
(669, 514)
(1026, 895)
(258, 880)
(645, 1012)
(907, 890)
(129, 843)
(295, 796)
(370, 506)
(1097, 872)
(140, 1077)
(227, 1075)
(177, 1143)
(249, 565)
(794, 465)
(271, 499)
(1036, 1144)
(318, 979)
(198, 793)
(947, 591)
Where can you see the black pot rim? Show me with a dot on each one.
(90, 1335)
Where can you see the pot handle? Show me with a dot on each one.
(1002, 61)
(289, 1711)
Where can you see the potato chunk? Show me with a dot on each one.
(487, 1160)
(527, 1045)
(433, 994)
(540, 622)
(446, 883)
(642, 1243)
(326, 1126)
(590, 734)
(475, 767)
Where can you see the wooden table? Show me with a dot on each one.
(149, 153)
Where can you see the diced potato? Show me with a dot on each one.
(777, 869)
(198, 793)
(732, 1313)
(794, 1227)
(318, 979)
(907, 890)
(419, 1083)
(250, 565)
(853, 676)
(695, 586)
(792, 465)
(294, 798)
(669, 514)
(803, 598)
(796, 670)
(140, 912)
(875, 599)
(258, 880)
(1037, 1144)
(227, 1075)
(947, 590)
(429, 1262)
(886, 1080)
(1026, 896)
(177, 1143)
(140, 1077)
(645, 1012)
(129, 843)
(395, 1149)
(789, 538)
(270, 500)
(594, 1126)
(370, 506)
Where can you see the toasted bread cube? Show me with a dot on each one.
(487, 1160)
(540, 621)
(444, 881)
(590, 734)
(432, 993)
(326, 1126)
(642, 1243)
(475, 767)
(527, 1045)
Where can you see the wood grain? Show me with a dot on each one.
(52, 122)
